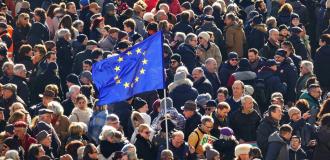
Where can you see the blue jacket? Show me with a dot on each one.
(96, 124)
(225, 70)
(278, 149)
(288, 74)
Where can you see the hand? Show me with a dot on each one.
(306, 115)
(191, 149)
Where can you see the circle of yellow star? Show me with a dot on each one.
(138, 50)
(142, 71)
(145, 61)
(118, 81)
(117, 77)
(129, 53)
(117, 68)
(144, 53)
(126, 85)
(120, 59)
(136, 79)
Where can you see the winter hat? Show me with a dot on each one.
(293, 110)
(210, 152)
(281, 52)
(81, 38)
(295, 30)
(42, 135)
(242, 149)
(10, 86)
(232, 55)
(186, 5)
(84, 2)
(176, 57)
(226, 131)
(294, 15)
(138, 103)
(73, 78)
(202, 99)
(12, 143)
(169, 103)
(204, 35)
(248, 90)
(86, 74)
(282, 26)
(180, 76)
(270, 62)
(244, 64)
(91, 43)
(110, 6)
(257, 19)
(211, 103)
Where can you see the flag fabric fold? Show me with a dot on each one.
(138, 69)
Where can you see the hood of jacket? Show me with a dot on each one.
(175, 84)
(260, 27)
(275, 137)
(236, 26)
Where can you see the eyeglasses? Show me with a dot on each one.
(234, 59)
(209, 127)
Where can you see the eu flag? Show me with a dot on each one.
(137, 70)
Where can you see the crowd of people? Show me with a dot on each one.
(245, 80)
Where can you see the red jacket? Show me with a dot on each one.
(175, 7)
(151, 4)
(26, 143)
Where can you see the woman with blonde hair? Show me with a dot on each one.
(22, 29)
(145, 149)
(111, 140)
(284, 14)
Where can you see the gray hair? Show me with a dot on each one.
(148, 16)
(73, 89)
(189, 37)
(12, 154)
(244, 98)
(19, 68)
(308, 65)
(200, 69)
(180, 35)
(6, 65)
(76, 23)
(182, 69)
(209, 60)
(63, 32)
(112, 117)
(205, 119)
(271, 31)
(56, 107)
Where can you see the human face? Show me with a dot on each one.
(94, 153)
(278, 58)
(208, 126)
(188, 113)
(177, 141)
(87, 67)
(277, 114)
(193, 42)
(10, 70)
(209, 110)
(274, 68)
(296, 117)
(144, 109)
(237, 90)
(316, 92)
(244, 157)
(19, 131)
(284, 32)
(275, 36)
(233, 62)
(295, 21)
(287, 49)
(174, 64)
(252, 57)
(52, 58)
(202, 41)
(82, 104)
(46, 100)
(295, 143)
(211, 66)
(85, 80)
(47, 141)
(303, 70)
(6, 94)
(223, 112)
(263, 7)
(248, 105)
(80, 28)
(46, 117)
(287, 136)
(221, 97)
(197, 75)
(145, 134)
(127, 29)
(228, 21)
(114, 124)
(72, 8)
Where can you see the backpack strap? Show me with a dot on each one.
(197, 140)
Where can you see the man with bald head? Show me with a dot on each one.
(202, 84)
(272, 44)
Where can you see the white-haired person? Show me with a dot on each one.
(242, 152)
(60, 122)
(111, 141)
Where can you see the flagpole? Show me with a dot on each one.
(166, 127)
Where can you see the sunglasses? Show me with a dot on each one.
(234, 59)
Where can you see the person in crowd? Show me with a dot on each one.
(210, 71)
(45, 139)
(243, 73)
(313, 95)
(306, 72)
(25, 139)
(110, 141)
(60, 122)
(145, 149)
(226, 143)
(269, 49)
(255, 60)
(228, 68)
(90, 152)
(20, 80)
(21, 29)
(297, 43)
(187, 51)
(202, 84)
(211, 49)
(84, 55)
(321, 62)
(36, 151)
(242, 151)
(9, 96)
(296, 151)
(81, 113)
(278, 147)
(237, 93)
(39, 31)
(97, 121)
(192, 117)
(234, 33)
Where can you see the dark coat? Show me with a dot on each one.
(5, 38)
(192, 124)
(78, 59)
(296, 61)
(38, 34)
(218, 123)
(27, 61)
(322, 150)
(265, 129)
(178, 153)
(77, 47)
(256, 38)
(19, 38)
(226, 148)
(34, 110)
(297, 155)
(22, 88)
(278, 149)
(283, 18)
(95, 35)
(48, 78)
(144, 148)
(301, 10)
(188, 56)
(181, 93)
(303, 130)
(268, 50)
(288, 74)
(245, 125)
(258, 64)
(85, 16)
(6, 103)
(74, 16)
(225, 70)
(124, 111)
(107, 148)
(68, 106)
(299, 46)
(214, 79)
(203, 85)
(182, 26)
(322, 65)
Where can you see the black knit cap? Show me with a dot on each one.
(138, 103)
(176, 57)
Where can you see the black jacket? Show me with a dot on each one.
(6, 103)
(225, 70)
(288, 74)
(226, 148)
(265, 129)
(188, 56)
(19, 38)
(144, 148)
(124, 111)
(38, 34)
(22, 88)
(68, 106)
(6, 38)
(218, 123)
(268, 50)
(203, 85)
(322, 150)
(181, 94)
(303, 130)
(299, 46)
(78, 59)
(245, 125)
(299, 154)
(182, 27)
(214, 79)
(322, 65)
(107, 148)
(192, 124)
(278, 149)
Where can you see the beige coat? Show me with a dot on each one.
(235, 39)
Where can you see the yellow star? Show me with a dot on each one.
(120, 59)
(117, 68)
(138, 50)
(126, 85)
(118, 81)
(142, 71)
(145, 61)
(117, 77)
(129, 53)
(136, 79)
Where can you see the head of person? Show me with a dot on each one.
(177, 139)
(129, 25)
(324, 40)
(9, 90)
(207, 123)
(295, 142)
(242, 151)
(25, 50)
(20, 70)
(247, 103)
(39, 53)
(90, 151)
(94, 8)
(79, 25)
(47, 97)
(191, 39)
(230, 19)
(315, 91)
(111, 135)
(166, 154)
(294, 114)
(211, 65)
(82, 101)
(113, 121)
(71, 8)
(8, 68)
(74, 91)
(140, 105)
(286, 132)
(271, 64)
(46, 115)
(261, 6)
(51, 57)
(210, 107)
(44, 138)
(280, 55)
(238, 89)
(20, 128)
(275, 112)
(87, 65)
(175, 61)
(36, 151)
(274, 34)
(39, 15)
(189, 109)
(57, 108)
(306, 67)
(222, 94)
(144, 131)
(203, 38)
(198, 73)
(253, 55)
(233, 58)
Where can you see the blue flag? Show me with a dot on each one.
(137, 70)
